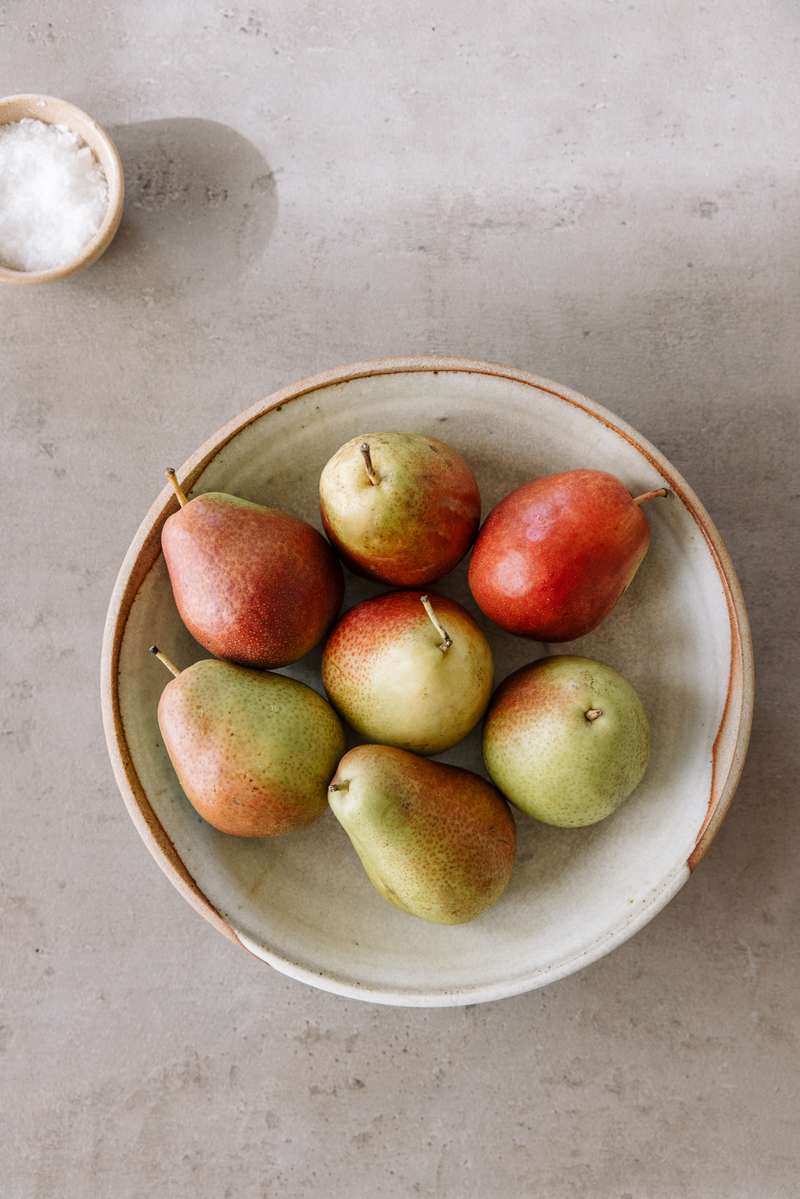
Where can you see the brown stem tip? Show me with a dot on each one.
(651, 495)
(176, 487)
(163, 658)
(447, 639)
(593, 713)
(339, 787)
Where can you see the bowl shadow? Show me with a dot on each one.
(200, 204)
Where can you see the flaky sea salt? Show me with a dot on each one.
(53, 195)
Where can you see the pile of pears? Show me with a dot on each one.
(565, 739)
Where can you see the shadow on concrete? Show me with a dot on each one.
(200, 205)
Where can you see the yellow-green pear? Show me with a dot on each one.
(566, 739)
(410, 669)
(436, 841)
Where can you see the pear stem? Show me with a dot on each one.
(163, 658)
(448, 640)
(371, 475)
(650, 495)
(176, 487)
(593, 713)
(339, 787)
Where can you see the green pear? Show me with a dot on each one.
(566, 740)
(253, 751)
(436, 841)
(409, 669)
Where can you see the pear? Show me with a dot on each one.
(436, 841)
(253, 751)
(253, 585)
(555, 556)
(566, 739)
(399, 508)
(410, 669)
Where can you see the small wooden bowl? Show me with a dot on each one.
(59, 112)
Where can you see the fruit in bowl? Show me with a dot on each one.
(566, 739)
(312, 921)
(253, 751)
(555, 556)
(253, 585)
(399, 508)
(410, 669)
(436, 841)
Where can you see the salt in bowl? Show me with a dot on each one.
(59, 112)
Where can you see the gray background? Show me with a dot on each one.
(602, 192)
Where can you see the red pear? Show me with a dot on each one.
(554, 557)
(253, 585)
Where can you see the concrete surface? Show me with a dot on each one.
(603, 192)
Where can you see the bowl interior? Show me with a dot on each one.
(303, 902)
(59, 112)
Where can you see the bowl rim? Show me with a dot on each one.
(729, 749)
(54, 111)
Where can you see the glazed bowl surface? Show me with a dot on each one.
(303, 902)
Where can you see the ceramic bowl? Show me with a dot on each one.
(59, 112)
(303, 902)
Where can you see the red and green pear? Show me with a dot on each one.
(554, 557)
(409, 669)
(399, 508)
(253, 751)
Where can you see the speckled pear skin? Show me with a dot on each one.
(553, 558)
(416, 524)
(436, 841)
(253, 751)
(548, 758)
(252, 584)
(386, 675)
